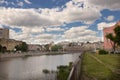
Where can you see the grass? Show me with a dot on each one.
(101, 67)
(111, 60)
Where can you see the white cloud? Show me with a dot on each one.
(26, 17)
(27, 1)
(106, 4)
(110, 18)
(20, 4)
(55, 29)
(32, 21)
(18, 35)
(26, 34)
(54, 17)
(45, 36)
(81, 33)
(103, 25)
(48, 17)
(3, 1)
(37, 30)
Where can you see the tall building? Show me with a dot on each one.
(107, 42)
(4, 33)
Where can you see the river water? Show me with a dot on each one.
(30, 68)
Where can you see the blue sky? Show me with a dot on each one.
(43, 21)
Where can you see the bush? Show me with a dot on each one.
(46, 71)
(56, 47)
(22, 47)
(63, 72)
(103, 52)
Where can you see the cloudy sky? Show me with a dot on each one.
(43, 21)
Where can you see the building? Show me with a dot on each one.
(5, 42)
(35, 47)
(107, 42)
(9, 44)
(4, 33)
(93, 46)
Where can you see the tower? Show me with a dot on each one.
(4, 33)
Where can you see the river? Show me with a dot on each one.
(30, 68)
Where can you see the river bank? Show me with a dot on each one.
(26, 54)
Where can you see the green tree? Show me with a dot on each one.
(47, 47)
(17, 47)
(22, 47)
(56, 47)
(117, 33)
(112, 40)
(0, 48)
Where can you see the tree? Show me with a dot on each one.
(117, 33)
(47, 47)
(56, 47)
(22, 47)
(112, 40)
(17, 47)
(0, 48)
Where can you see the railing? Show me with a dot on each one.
(76, 70)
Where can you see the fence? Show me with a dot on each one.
(76, 69)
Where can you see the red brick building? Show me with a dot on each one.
(107, 43)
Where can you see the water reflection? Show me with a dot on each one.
(30, 68)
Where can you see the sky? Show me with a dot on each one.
(44, 21)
